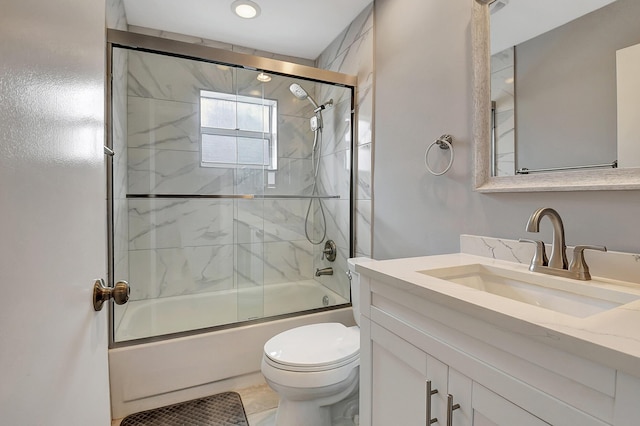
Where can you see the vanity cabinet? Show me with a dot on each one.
(496, 376)
(409, 386)
(395, 362)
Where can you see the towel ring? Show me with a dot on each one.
(444, 142)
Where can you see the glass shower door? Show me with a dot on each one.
(213, 179)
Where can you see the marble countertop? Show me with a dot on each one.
(611, 337)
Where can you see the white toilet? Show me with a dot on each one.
(315, 368)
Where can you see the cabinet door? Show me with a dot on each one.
(398, 381)
(438, 375)
(481, 407)
(460, 387)
(399, 376)
(490, 409)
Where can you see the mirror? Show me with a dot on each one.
(548, 132)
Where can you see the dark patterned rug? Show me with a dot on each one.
(224, 409)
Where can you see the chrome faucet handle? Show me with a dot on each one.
(539, 256)
(578, 265)
(330, 251)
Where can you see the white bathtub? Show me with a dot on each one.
(150, 375)
(155, 317)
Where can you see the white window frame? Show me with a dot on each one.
(271, 136)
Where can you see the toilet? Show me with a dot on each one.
(315, 369)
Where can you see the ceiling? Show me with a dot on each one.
(521, 20)
(301, 28)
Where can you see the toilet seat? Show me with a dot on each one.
(313, 348)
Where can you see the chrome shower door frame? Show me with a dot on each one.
(158, 45)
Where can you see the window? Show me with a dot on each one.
(238, 131)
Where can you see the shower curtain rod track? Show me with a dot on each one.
(235, 196)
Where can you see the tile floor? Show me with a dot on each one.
(260, 404)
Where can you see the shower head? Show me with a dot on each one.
(300, 93)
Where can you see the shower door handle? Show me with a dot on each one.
(101, 293)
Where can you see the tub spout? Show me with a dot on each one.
(324, 271)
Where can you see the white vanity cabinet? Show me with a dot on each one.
(409, 386)
(495, 376)
(395, 361)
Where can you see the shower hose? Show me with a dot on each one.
(315, 160)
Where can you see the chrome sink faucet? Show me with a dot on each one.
(558, 258)
(557, 262)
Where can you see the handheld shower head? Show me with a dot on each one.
(300, 93)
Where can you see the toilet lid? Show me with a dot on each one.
(317, 345)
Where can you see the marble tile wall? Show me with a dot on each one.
(120, 160)
(164, 130)
(115, 15)
(350, 53)
(502, 92)
(186, 246)
(265, 243)
(116, 18)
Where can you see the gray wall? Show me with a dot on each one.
(423, 86)
(572, 97)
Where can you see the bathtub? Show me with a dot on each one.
(155, 317)
(169, 371)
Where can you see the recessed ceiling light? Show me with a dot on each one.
(263, 77)
(245, 9)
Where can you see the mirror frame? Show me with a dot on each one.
(578, 180)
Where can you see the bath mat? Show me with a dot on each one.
(224, 409)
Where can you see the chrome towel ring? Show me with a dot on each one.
(444, 142)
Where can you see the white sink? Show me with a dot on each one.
(572, 297)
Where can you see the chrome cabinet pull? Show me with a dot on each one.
(429, 393)
(450, 408)
(101, 293)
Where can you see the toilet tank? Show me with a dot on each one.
(355, 285)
